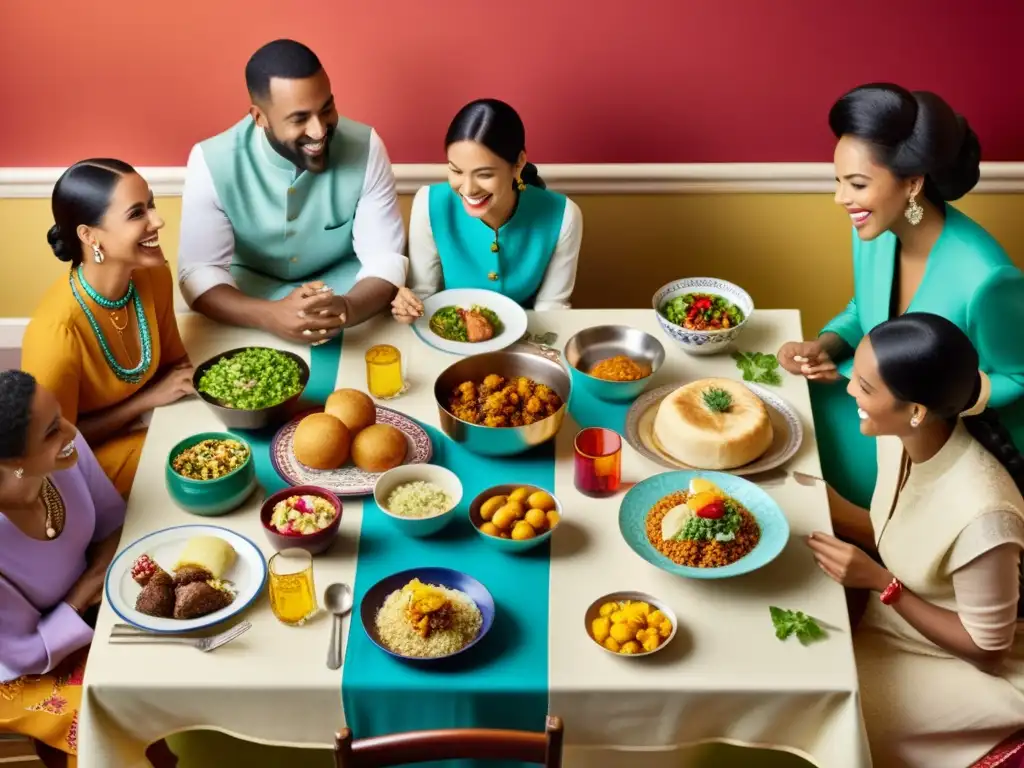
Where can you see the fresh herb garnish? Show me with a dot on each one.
(796, 623)
(717, 400)
(758, 367)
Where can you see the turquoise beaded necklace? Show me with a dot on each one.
(129, 375)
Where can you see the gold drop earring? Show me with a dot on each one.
(97, 254)
(914, 212)
(520, 184)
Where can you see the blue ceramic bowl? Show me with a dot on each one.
(644, 495)
(591, 345)
(418, 527)
(510, 545)
(209, 498)
(445, 577)
(703, 342)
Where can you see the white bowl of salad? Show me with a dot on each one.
(704, 315)
(305, 516)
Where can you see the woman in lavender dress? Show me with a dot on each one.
(60, 523)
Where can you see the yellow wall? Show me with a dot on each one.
(788, 250)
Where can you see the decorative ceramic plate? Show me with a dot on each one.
(348, 480)
(641, 497)
(512, 316)
(247, 575)
(788, 430)
(445, 577)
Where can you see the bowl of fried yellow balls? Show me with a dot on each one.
(515, 517)
(630, 623)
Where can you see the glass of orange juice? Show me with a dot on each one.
(292, 592)
(384, 377)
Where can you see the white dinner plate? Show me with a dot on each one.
(247, 575)
(512, 316)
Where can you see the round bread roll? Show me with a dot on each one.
(321, 441)
(353, 408)
(378, 448)
(694, 433)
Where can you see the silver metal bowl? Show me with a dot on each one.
(519, 360)
(591, 345)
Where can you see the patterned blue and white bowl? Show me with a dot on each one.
(703, 342)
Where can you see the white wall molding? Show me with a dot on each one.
(596, 178)
(12, 330)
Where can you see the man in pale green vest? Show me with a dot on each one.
(290, 220)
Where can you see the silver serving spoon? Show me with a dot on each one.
(338, 600)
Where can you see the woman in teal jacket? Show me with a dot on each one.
(901, 157)
(493, 225)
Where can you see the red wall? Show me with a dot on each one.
(595, 80)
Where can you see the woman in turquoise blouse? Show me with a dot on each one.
(900, 158)
(493, 225)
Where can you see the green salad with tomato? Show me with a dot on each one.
(701, 312)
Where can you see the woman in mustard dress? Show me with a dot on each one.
(900, 159)
(104, 339)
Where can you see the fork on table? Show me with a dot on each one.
(125, 634)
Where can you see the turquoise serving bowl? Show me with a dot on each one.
(591, 345)
(209, 498)
(510, 545)
(641, 497)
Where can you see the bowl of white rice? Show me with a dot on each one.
(384, 614)
(419, 499)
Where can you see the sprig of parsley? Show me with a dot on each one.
(797, 623)
(758, 367)
(717, 400)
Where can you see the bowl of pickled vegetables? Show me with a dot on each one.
(631, 623)
(704, 315)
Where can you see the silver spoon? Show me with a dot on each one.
(337, 600)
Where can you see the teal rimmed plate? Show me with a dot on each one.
(644, 495)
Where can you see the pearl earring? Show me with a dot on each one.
(915, 422)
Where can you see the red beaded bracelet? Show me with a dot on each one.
(892, 592)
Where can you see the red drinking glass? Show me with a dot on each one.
(598, 461)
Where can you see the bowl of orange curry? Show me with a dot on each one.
(613, 362)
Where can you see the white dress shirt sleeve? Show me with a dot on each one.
(207, 241)
(425, 276)
(560, 277)
(378, 233)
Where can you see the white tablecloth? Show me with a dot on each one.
(725, 677)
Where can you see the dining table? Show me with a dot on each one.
(725, 677)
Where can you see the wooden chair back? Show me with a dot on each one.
(452, 744)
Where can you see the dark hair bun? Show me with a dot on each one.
(915, 134)
(57, 244)
(963, 172)
(531, 176)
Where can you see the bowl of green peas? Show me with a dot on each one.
(251, 387)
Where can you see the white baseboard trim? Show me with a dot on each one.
(12, 330)
(595, 178)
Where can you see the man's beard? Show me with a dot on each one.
(292, 152)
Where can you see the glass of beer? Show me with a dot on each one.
(384, 372)
(292, 592)
(598, 461)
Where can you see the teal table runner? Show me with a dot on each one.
(588, 411)
(324, 361)
(502, 682)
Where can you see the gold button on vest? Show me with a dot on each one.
(492, 276)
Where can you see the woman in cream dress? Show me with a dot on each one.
(940, 654)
